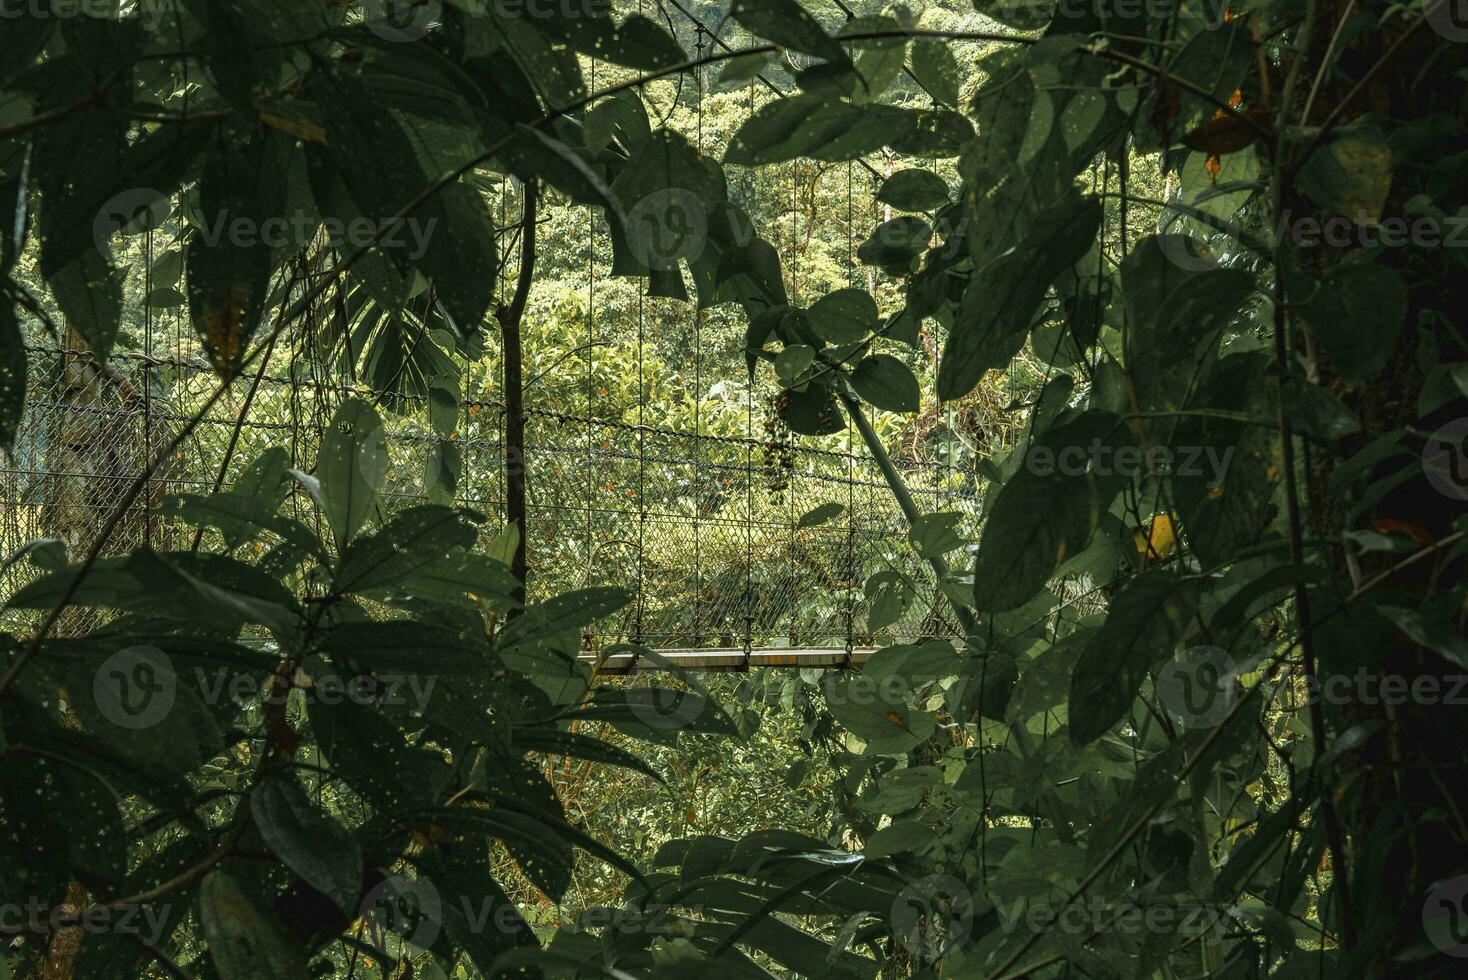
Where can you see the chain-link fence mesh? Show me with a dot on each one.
(704, 531)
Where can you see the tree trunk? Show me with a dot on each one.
(510, 318)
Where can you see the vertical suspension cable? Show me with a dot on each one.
(698, 384)
(148, 494)
(641, 603)
(851, 569)
(501, 474)
(749, 470)
(589, 544)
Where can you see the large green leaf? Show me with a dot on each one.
(1147, 619)
(370, 753)
(786, 23)
(814, 126)
(400, 645)
(1177, 312)
(458, 252)
(351, 467)
(1355, 315)
(1000, 303)
(89, 292)
(1040, 518)
(887, 383)
(239, 231)
(414, 543)
(843, 317)
(309, 842)
(914, 190)
(245, 942)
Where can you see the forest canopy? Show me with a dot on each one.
(738, 488)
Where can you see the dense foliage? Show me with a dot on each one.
(1204, 720)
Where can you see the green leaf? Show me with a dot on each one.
(443, 471)
(809, 125)
(1045, 682)
(894, 244)
(1038, 520)
(900, 837)
(936, 70)
(1317, 413)
(401, 645)
(1221, 194)
(878, 61)
(575, 745)
(887, 383)
(1351, 175)
(843, 317)
(820, 515)
(875, 713)
(888, 606)
(89, 292)
(136, 702)
(230, 257)
(786, 23)
(1177, 311)
(1435, 631)
(744, 68)
(1147, 619)
(415, 541)
(244, 942)
(914, 190)
(564, 613)
(307, 840)
(1080, 117)
(792, 362)
(369, 752)
(240, 518)
(936, 534)
(812, 412)
(1224, 473)
(352, 468)
(1024, 15)
(1356, 315)
(460, 253)
(1000, 303)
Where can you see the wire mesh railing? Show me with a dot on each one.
(704, 530)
